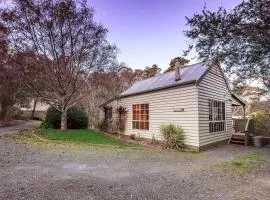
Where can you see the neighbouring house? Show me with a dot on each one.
(254, 98)
(196, 97)
(34, 108)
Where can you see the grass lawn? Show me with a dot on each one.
(246, 163)
(80, 136)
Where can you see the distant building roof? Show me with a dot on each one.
(237, 101)
(189, 74)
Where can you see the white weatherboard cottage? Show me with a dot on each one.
(196, 97)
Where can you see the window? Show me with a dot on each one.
(108, 112)
(216, 116)
(140, 116)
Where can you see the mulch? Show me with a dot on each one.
(138, 140)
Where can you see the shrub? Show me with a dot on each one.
(108, 125)
(76, 118)
(173, 135)
(45, 124)
(261, 123)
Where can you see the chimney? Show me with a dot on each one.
(177, 71)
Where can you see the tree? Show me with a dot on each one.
(239, 38)
(11, 89)
(9, 79)
(151, 71)
(8, 90)
(103, 86)
(64, 46)
(181, 60)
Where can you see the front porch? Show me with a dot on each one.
(242, 127)
(242, 131)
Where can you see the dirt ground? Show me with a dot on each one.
(31, 171)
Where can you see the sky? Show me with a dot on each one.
(150, 32)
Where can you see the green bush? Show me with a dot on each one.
(45, 124)
(261, 123)
(76, 118)
(173, 135)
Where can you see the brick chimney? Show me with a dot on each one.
(177, 71)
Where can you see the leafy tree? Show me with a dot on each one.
(151, 71)
(239, 38)
(181, 60)
(63, 43)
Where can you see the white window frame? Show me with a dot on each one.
(217, 116)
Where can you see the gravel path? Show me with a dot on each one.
(19, 126)
(57, 172)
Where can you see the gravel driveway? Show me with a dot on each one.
(63, 172)
(19, 126)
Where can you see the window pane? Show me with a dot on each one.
(223, 111)
(147, 126)
(141, 125)
(108, 112)
(210, 110)
(147, 106)
(137, 125)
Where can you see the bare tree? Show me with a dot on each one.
(57, 45)
(9, 79)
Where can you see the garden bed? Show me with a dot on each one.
(157, 144)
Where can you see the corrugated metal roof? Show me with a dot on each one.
(189, 73)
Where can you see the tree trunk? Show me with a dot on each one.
(3, 111)
(34, 108)
(64, 121)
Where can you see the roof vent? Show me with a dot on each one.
(177, 70)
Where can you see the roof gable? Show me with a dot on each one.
(189, 74)
(217, 70)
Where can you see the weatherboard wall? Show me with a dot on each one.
(178, 105)
(213, 86)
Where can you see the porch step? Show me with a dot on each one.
(237, 142)
(238, 139)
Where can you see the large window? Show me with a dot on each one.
(140, 116)
(216, 116)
